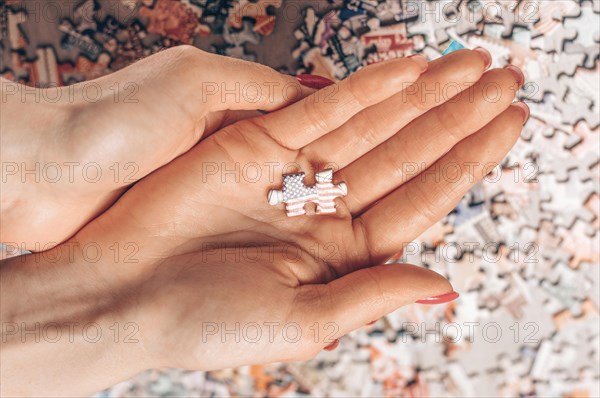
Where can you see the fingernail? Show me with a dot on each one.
(443, 298)
(485, 55)
(314, 81)
(333, 345)
(421, 61)
(517, 73)
(524, 109)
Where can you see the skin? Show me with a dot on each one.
(192, 226)
(146, 115)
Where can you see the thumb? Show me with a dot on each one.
(371, 293)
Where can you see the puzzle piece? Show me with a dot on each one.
(296, 194)
(259, 11)
(567, 200)
(455, 18)
(584, 246)
(554, 41)
(172, 19)
(587, 26)
(11, 39)
(581, 91)
(48, 35)
(213, 14)
(551, 14)
(546, 70)
(391, 42)
(236, 41)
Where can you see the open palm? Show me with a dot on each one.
(212, 251)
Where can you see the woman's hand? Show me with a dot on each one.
(79, 147)
(214, 254)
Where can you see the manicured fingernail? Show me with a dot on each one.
(333, 345)
(442, 298)
(524, 109)
(314, 81)
(517, 73)
(421, 61)
(485, 55)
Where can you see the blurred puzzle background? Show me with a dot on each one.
(522, 247)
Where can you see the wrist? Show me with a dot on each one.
(41, 114)
(71, 317)
(32, 132)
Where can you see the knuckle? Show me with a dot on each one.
(359, 91)
(396, 156)
(415, 100)
(450, 124)
(369, 130)
(316, 116)
(187, 48)
(184, 51)
(467, 174)
(422, 205)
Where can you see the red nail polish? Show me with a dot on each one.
(485, 56)
(314, 81)
(524, 109)
(333, 345)
(517, 74)
(442, 298)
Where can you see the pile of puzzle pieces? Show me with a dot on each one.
(522, 247)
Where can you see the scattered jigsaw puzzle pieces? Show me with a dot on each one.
(259, 11)
(172, 19)
(522, 247)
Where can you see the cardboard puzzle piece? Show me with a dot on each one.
(259, 11)
(296, 194)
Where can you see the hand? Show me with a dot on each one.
(214, 254)
(82, 146)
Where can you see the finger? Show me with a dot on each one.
(370, 293)
(427, 138)
(445, 78)
(217, 120)
(330, 107)
(405, 213)
(214, 82)
(235, 84)
(313, 82)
